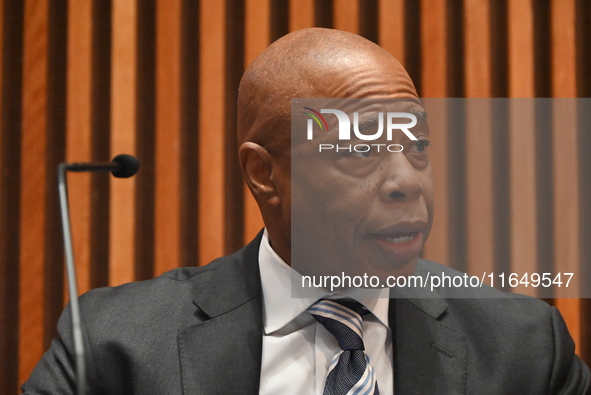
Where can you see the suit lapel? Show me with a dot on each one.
(223, 355)
(429, 357)
(220, 351)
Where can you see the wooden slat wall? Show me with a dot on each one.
(10, 143)
(123, 132)
(258, 37)
(434, 83)
(480, 243)
(168, 136)
(566, 191)
(33, 191)
(87, 79)
(79, 131)
(211, 143)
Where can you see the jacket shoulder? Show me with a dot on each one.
(519, 335)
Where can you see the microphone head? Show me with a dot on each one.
(129, 166)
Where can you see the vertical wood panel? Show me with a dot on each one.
(211, 130)
(55, 154)
(1, 66)
(79, 132)
(434, 48)
(521, 48)
(301, 14)
(479, 173)
(10, 187)
(479, 141)
(477, 48)
(346, 15)
(522, 163)
(168, 136)
(7, 323)
(4, 295)
(190, 119)
(391, 22)
(257, 38)
(123, 125)
(33, 189)
(234, 62)
(145, 140)
(434, 85)
(101, 125)
(564, 51)
(565, 165)
(3, 236)
(566, 219)
(522, 155)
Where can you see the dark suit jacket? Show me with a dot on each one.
(199, 331)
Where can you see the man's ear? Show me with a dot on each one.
(257, 167)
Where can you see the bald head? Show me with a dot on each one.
(312, 62)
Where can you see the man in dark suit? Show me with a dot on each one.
(233, 327)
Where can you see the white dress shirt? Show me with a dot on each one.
(296, 348)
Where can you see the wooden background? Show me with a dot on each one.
(83, 80)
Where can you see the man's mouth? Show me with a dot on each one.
(399, 239)
(402, 242)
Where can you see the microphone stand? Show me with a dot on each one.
(72, 285)
(122, 166)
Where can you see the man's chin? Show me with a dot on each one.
(384, 269)
(366, 260)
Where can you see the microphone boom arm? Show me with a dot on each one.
(79, 354)
(81, 166)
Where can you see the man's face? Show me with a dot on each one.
(362, 212)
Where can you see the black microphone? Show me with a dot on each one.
(122, 166)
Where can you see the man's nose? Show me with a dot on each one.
(401, 180)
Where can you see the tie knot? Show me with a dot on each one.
(343, 322)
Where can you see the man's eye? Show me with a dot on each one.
(421, 145)
(364, 154)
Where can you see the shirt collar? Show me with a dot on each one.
(282, 304)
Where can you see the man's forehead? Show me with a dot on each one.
(315, 63)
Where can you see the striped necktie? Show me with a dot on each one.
(350, 371)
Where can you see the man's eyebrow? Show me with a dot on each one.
(419, 114)
(366, 123)
(372, 121)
